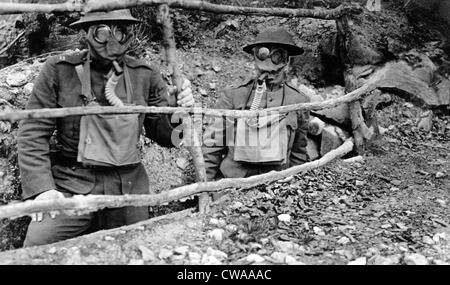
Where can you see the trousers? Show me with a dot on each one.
(112, 181)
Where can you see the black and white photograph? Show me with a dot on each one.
(253, 135)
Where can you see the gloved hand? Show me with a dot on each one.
(47, 195)
(185, 98)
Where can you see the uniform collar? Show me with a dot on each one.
(134, 62)
(250, 82)
(77, 58)
(74, 58)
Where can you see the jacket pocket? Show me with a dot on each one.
(73, 179)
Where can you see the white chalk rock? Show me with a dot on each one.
(415, 259)
(181, 250)
(194, 258)
(147, 254)
(255, 258)
(28, 88)
(358, 261)
(16, 79)
(284, 218)
(216, 234)
(165, 253)
(220, 255)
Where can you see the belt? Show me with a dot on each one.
(72, 162)
(66, 160)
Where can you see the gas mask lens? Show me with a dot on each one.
(102, 33)
(277, 55)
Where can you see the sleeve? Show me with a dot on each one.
(298, 152)
(158, 127)
(214, 138)
(34, 135)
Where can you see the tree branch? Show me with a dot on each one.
(198, 5)
(82, 204)
(12, 42)
(190, 133)
(80, 111)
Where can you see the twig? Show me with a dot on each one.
(198, 5)
(91, 203)
(12, 43)
(77, 111)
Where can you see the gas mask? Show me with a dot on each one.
(108, 43)
(271, 63)
(107, 46)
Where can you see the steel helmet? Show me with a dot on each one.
(276, 37)
(123, 15)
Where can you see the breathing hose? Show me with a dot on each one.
(110, 94)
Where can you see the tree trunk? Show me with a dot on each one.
(351, 50)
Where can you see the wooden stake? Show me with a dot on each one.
(191, 137)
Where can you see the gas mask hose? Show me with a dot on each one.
(110, 94)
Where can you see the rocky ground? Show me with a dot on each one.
(391, 207)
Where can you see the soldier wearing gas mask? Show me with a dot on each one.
(96, 154)
(236, 148)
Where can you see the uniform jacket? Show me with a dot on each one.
(58, 86)
(219, 157)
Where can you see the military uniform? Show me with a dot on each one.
(218, 157)
(59, 86)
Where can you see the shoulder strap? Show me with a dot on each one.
(84, 74)
(249, 94)
(284, 94)
(128, 85)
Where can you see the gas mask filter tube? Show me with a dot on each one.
(110, 86)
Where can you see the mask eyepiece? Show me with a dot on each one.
(277, 55)
(102, 33)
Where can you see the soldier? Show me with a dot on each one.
(97, 154)
(245, 147)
